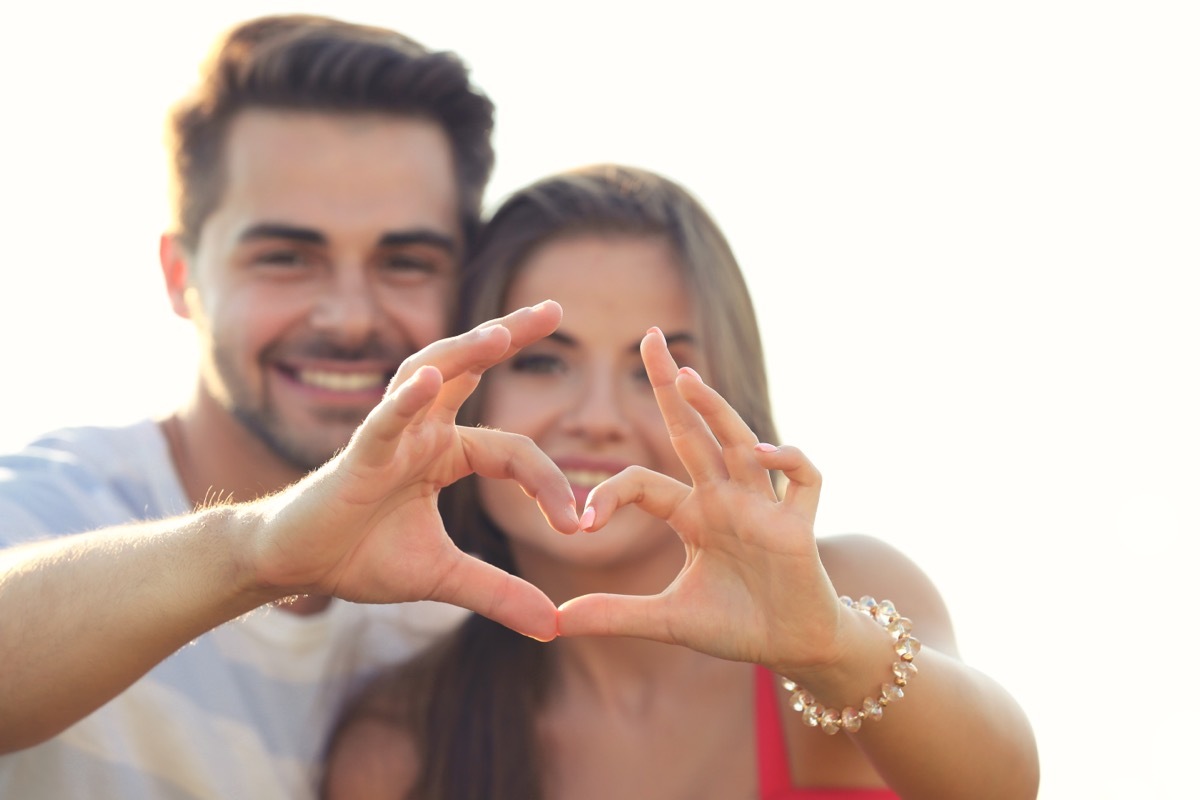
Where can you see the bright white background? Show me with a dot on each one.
(971, 232)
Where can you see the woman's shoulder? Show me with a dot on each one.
(374, 750)
(371, 757)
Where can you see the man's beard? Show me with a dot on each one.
(262, 420)
(306, 456)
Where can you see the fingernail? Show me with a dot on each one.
(654, 329)
(763, 447)
(692, 372)
(589, 516)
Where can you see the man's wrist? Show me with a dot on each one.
(237, 536)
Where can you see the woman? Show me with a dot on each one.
(713, 560)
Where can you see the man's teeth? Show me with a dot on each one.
(341, 381)
(586, 477)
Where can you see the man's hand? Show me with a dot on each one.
(365, 527)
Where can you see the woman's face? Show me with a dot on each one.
(582, 394)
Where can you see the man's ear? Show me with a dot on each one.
(175, 263)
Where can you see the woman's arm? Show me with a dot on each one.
(975, 735)
(755, 588)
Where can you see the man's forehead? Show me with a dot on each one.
(300, 124)
(307, 145)
(328, 172)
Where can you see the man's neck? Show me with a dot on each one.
(217, 459)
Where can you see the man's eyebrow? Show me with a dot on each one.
(296, 233)
(420, 236)
(277, 230)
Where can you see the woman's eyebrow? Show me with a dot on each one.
(680, 337)
(562, 338)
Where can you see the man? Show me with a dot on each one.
(328, 178)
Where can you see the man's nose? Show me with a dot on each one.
(346, 309)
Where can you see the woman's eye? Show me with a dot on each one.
(538, 363)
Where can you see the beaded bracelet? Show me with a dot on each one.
(850, 719)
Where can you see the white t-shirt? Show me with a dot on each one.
(244, 710)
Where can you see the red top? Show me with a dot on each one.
(774, 777)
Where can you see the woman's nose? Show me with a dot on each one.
(598, 413)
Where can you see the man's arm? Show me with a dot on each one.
(82, 617)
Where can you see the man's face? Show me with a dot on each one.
(328, 260)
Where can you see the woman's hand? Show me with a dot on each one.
(752, 587)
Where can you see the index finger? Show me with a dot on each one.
(527, 325)
(496, 454)
(484, 345)
(693, 441)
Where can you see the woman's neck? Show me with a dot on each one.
(677, 722)
(562, 580)
(626, 677)
(620, 674)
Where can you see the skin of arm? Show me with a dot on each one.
(82, 617)
(951, 716)
(755, 588)
(70, 642)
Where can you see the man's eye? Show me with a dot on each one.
(280, 258)
(401, 262)
(538, 363)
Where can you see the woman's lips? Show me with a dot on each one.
(586, 477)
(586, 474)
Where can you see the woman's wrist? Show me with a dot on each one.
(872, 673)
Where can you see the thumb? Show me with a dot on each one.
(614, 615)
(488, 590)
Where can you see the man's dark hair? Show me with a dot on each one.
(311, 63)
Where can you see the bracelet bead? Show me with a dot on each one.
(850, 719)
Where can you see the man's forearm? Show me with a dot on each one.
(82, 617)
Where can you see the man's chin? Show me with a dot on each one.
(306, 456)
(305, 446)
